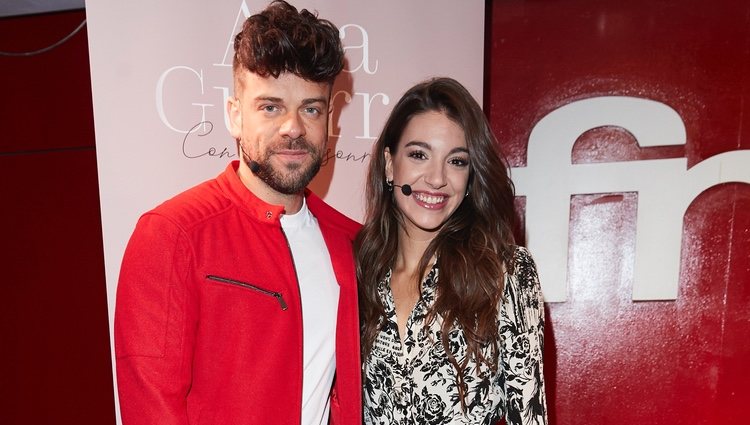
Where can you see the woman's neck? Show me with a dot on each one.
(410, 252)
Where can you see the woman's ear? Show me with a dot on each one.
(388, 164)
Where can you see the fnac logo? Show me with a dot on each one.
(665, 188)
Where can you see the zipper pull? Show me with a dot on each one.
(282, 303)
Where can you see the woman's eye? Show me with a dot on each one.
(417, 155)
(459, 162)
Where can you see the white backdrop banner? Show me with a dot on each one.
(161, 74)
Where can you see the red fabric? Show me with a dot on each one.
(191, 350)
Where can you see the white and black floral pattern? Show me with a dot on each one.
(414, 383)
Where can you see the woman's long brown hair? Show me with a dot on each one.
(473, 247)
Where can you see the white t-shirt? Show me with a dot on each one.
(320, 296)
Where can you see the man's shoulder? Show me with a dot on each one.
(194, 205)
(331, 217)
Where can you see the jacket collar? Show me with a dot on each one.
(230, 183)
(232, 186)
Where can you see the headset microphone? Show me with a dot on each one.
(405, 189)
(254, 166)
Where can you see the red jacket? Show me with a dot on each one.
(194, 349)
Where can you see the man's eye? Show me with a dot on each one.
(270, 108)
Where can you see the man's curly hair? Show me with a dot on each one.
(281, 39)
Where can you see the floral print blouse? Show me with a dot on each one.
(412, 382)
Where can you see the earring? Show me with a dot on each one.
(389, 183)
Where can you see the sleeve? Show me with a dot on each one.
(522, 333)
(154, 325)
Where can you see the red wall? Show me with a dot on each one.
(611, 360)
(55, 366)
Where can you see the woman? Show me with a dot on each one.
(452, 314)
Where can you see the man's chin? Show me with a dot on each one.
(291, 178)
(302, 165)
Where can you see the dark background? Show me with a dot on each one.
(55, 365)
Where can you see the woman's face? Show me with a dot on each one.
(432, 158)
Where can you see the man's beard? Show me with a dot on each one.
(294, 177)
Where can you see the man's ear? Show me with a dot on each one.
(234, 112)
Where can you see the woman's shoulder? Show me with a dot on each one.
(523, 303)
(523, 268)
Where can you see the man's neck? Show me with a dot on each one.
(291, 203)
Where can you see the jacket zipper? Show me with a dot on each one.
(276, 295)
(301, 319)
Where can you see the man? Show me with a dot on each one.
(237, 298)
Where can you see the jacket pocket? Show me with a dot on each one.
(250, 286)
